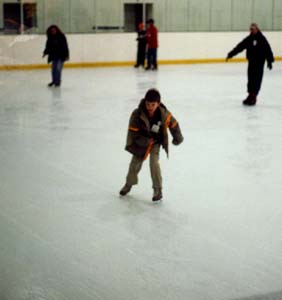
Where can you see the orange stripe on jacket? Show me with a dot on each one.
(149, 148)
(173, 125)
(167, 121)
(133, 129)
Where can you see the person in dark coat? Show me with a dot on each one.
(147, 132)
(57, 51)
(258, 51)
(141, 46)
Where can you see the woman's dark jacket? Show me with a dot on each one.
(258, 49)
(57, 47)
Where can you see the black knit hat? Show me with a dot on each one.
(153, 95)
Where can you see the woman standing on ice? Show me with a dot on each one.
(141, 47)
(57, 51)
(258, 51)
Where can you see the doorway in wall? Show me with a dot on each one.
(19, 17)
(12, 17)
(135, 13)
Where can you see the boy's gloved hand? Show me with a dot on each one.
(269, 65)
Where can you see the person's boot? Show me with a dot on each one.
(157, 196)
(247, 100)
(51, 84)
(250, 100)
(125, 190)
(253, 99)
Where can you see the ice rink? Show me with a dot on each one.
(65, 234)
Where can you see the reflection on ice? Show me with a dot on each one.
(65, 232)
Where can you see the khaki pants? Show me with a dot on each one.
(136, 165)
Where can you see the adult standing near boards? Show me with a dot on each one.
(258, 51)
(57, 51)
(141, 46)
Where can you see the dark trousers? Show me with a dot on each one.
(255, 75)
(141, 54)
(57, 66)
(152, 58)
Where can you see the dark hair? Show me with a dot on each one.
(153, 95)
(49, 29)
(150, 21)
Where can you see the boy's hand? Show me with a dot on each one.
(177, 140)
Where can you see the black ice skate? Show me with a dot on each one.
(157, 195)
(250, 100)
(125, 190)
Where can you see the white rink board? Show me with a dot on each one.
(121, 47)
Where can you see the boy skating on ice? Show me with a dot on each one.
(147, 132)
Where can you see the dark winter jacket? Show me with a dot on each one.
(57, 47)
(258, 49)
(140, 137)
(142, 39)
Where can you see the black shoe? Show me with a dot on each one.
(157, 195)
(57, 85)
(148, 68)
(125, 190)
(51, 84)
(136, 66)
(253, 99)
(250, 100)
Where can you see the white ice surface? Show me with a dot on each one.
(65, 234)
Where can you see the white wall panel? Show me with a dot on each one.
(57, 12)
(82, 16)
(27, 49)
(241, 14)
(262, 13)
(177, 15)
(199, 15)
(75, 16)
(220, 15)
(277, 15)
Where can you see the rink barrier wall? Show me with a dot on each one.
(124, 64)
(24, 52)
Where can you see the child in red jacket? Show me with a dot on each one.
(152, 40)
